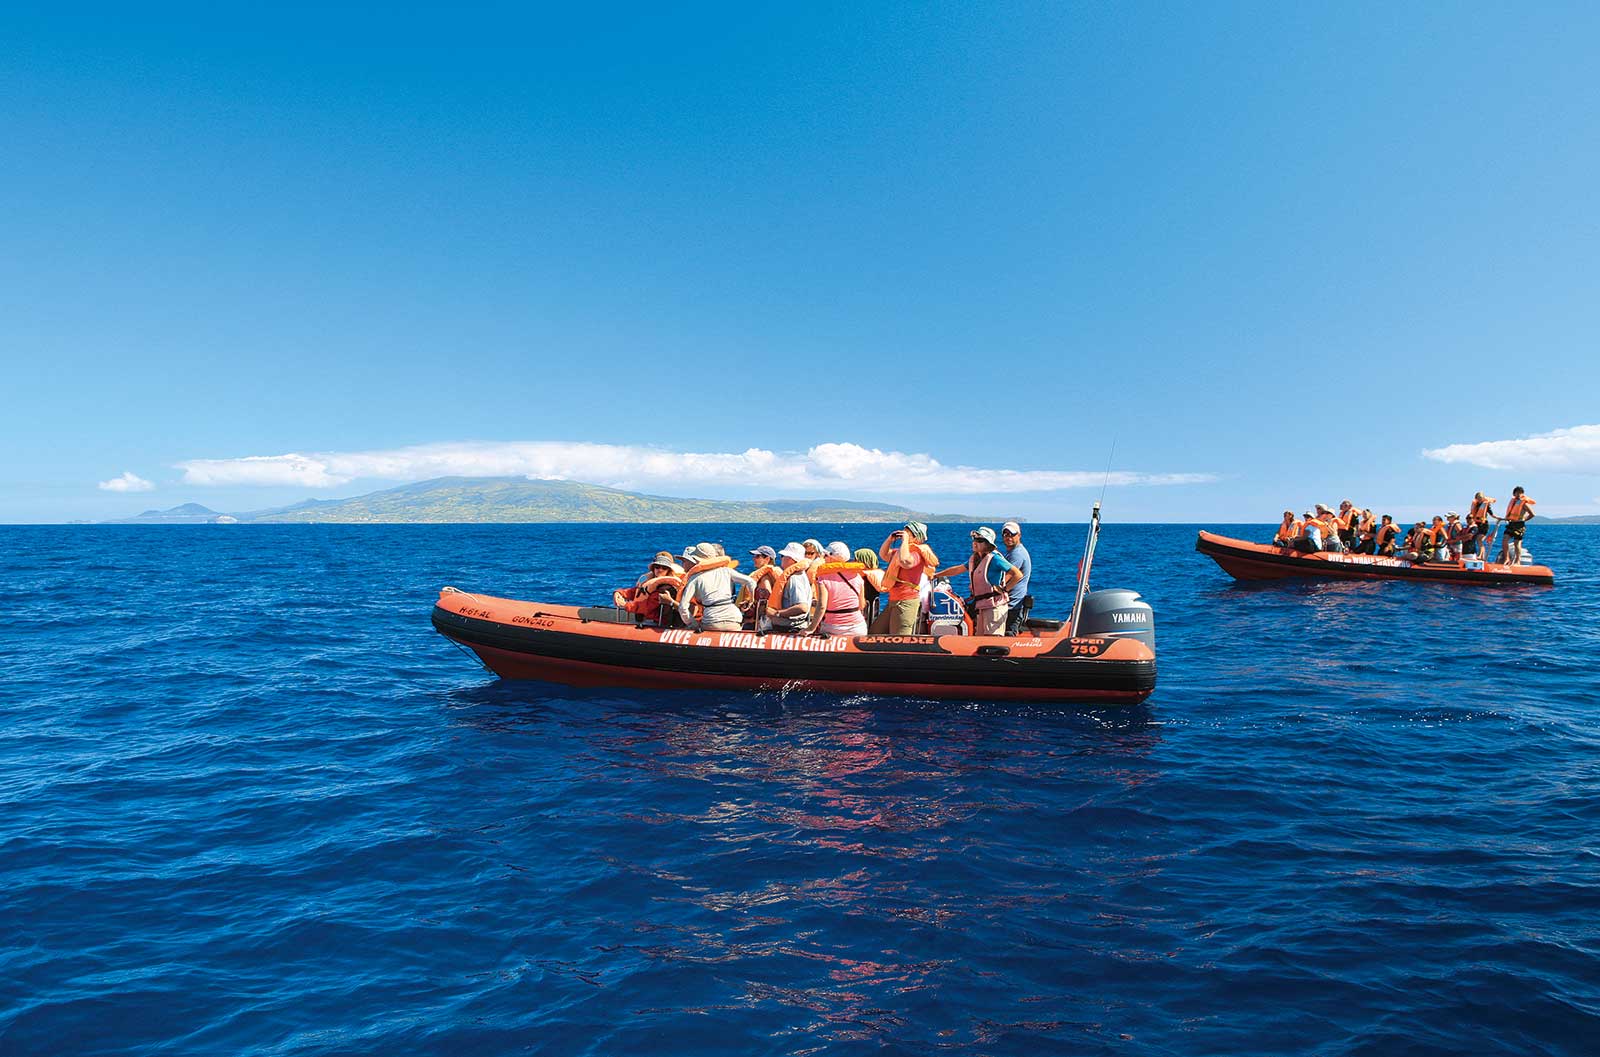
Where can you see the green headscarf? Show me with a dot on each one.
(866, 557)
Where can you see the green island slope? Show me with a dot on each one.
(517, 499)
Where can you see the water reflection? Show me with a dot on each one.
(833, 855)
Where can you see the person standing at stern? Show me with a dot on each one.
(1018, 601)
(992, 576)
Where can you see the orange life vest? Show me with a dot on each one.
(891, 578)
(1478, 512)
(1287, 531)
(1515, 510)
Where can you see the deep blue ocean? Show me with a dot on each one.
(250, 803)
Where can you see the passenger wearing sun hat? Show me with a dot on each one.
(713, 583)
(1456, 534)
(1311, 532)
(656, 590)
(1330, 529)
(992, 576)
(910, 560)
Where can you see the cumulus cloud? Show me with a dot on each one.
(128, 482)
(830, 467)
(1573, 450)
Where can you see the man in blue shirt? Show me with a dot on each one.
(1018, 556)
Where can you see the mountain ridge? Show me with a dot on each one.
(519, 500)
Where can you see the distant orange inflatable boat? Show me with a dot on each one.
(1244, 560)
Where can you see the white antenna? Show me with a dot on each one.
(1088, 547)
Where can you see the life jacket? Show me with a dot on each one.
(710, 565)
(646, 598)
(1516, 510)
(1384, 533)
(891, 578)
(1288, 531)
(780, 581)
(714, 563)
(1307, 525)
(764, 577)
(1343, 521)
(1478, 512)
(983, 592)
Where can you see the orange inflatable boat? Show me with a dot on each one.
(598, 647)
(1244, 560)
(1104, 653)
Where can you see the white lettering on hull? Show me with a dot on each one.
(745, 640)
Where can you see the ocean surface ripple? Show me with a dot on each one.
(250, 803)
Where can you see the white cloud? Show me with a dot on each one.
(1574, 450)
(128, 482)
(834, 468)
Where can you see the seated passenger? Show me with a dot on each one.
(1330, 529)
(872, 581)
(1365, 541)
(1347, 517)
(843, 593)
(1439, 539)
(655, 594)
(711, 585)
(1287, 532)
(1310, 538)
(791, 609)
(1383, 537)
(767, 579)
(1418, 546)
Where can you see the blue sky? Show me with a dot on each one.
(942, 255)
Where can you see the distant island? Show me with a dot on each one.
(476, 500)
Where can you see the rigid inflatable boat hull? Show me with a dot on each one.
(524, 640)
(1244, 560)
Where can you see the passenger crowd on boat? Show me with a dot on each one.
(859, 591)
(1448, 538)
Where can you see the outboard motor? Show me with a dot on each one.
(1117, 614)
